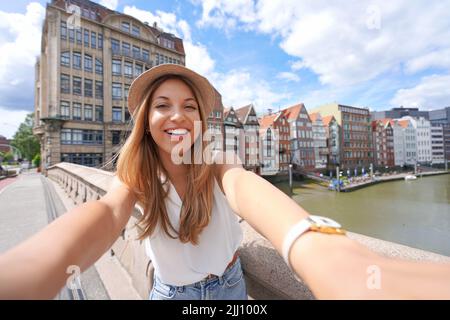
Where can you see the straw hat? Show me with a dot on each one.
(140, 85)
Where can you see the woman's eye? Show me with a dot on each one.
(191, 107)
(161, 106)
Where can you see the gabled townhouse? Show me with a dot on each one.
(301, 136)
(247, 116)
(274, 144)
(332, 131)
(423, 138)
(404, 143)
(233, 131)
(383, 141)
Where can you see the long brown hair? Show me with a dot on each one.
(141, 170)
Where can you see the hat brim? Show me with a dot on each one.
(141, 84)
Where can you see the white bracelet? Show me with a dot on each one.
(293, 234)
(321, 224)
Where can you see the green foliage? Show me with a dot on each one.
(24, 140)
(37, 160)
(8, 156)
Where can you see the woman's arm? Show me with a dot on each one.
(37, 268)
(333, 266)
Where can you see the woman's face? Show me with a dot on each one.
(173, 111)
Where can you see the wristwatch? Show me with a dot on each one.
(310, 223)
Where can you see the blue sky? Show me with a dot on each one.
(271, 53)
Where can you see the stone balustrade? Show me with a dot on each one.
(266, 274)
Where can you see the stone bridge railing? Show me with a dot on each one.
(266, 274)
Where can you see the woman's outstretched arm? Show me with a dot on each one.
(333, 266)
(37, 268)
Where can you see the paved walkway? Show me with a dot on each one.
(22, 209)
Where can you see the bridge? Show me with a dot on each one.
(31, 200)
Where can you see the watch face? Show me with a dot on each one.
(324, 221)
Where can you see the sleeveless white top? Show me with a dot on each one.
(181, 264)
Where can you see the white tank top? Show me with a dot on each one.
(181, 264)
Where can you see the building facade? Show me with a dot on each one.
(423, 139)
(383, 142)
(89, 57)
(320, 141)
(404, 143)
(441, 117)
(274, 144)
(233, 131)
(301, 136)
(247, 116)
(396, 113)
(356, 150)
(437, 144)
(332, 132)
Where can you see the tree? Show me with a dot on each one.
(24, 140)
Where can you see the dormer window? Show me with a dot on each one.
(125, 26)
(136, 31)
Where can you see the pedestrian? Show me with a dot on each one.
(190, 216)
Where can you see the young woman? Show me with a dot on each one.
(190, 216)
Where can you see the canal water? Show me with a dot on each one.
(413, 213)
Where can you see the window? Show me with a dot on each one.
(115, 138)
(100, 41)
(66, 136)
(93, 40)
(117, 114)
(115, 45)
(126, 26)
(65, 59)
(88, 112)
(127, 115)
(87, 87)
(63, 30)
(136, 31)
(86, 38)
(85, 159)
(99, 113)
(157, 59)
(76, 85)
(77, 60)
(116, 67)
(65, 110)
(79, 37)
(126, 90)
(137, 69)
(128, 69)
(72, 35)
(116, 91)
(126, 49)
(87, 63)
(99, 89)
(136, 52)
(98, 66)
(76, 111)
(65, 83)
(145, 55)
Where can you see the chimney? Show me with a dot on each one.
(155, 25)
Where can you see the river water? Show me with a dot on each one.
(413, 213)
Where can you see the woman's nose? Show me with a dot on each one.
(177, 114)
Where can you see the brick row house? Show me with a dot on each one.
(301, 137)
(274, 144)
(332, 132)
(383, 141)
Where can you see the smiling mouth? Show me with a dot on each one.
(177, 134)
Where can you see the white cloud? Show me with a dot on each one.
(18, 52)
(110, 4)
(238, 87)
(10, 121)
(349, 42)
(288, 76)
(433, 92)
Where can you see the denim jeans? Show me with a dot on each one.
(229, 286)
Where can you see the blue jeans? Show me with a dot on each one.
(229, 286)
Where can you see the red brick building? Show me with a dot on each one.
(383, 141)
